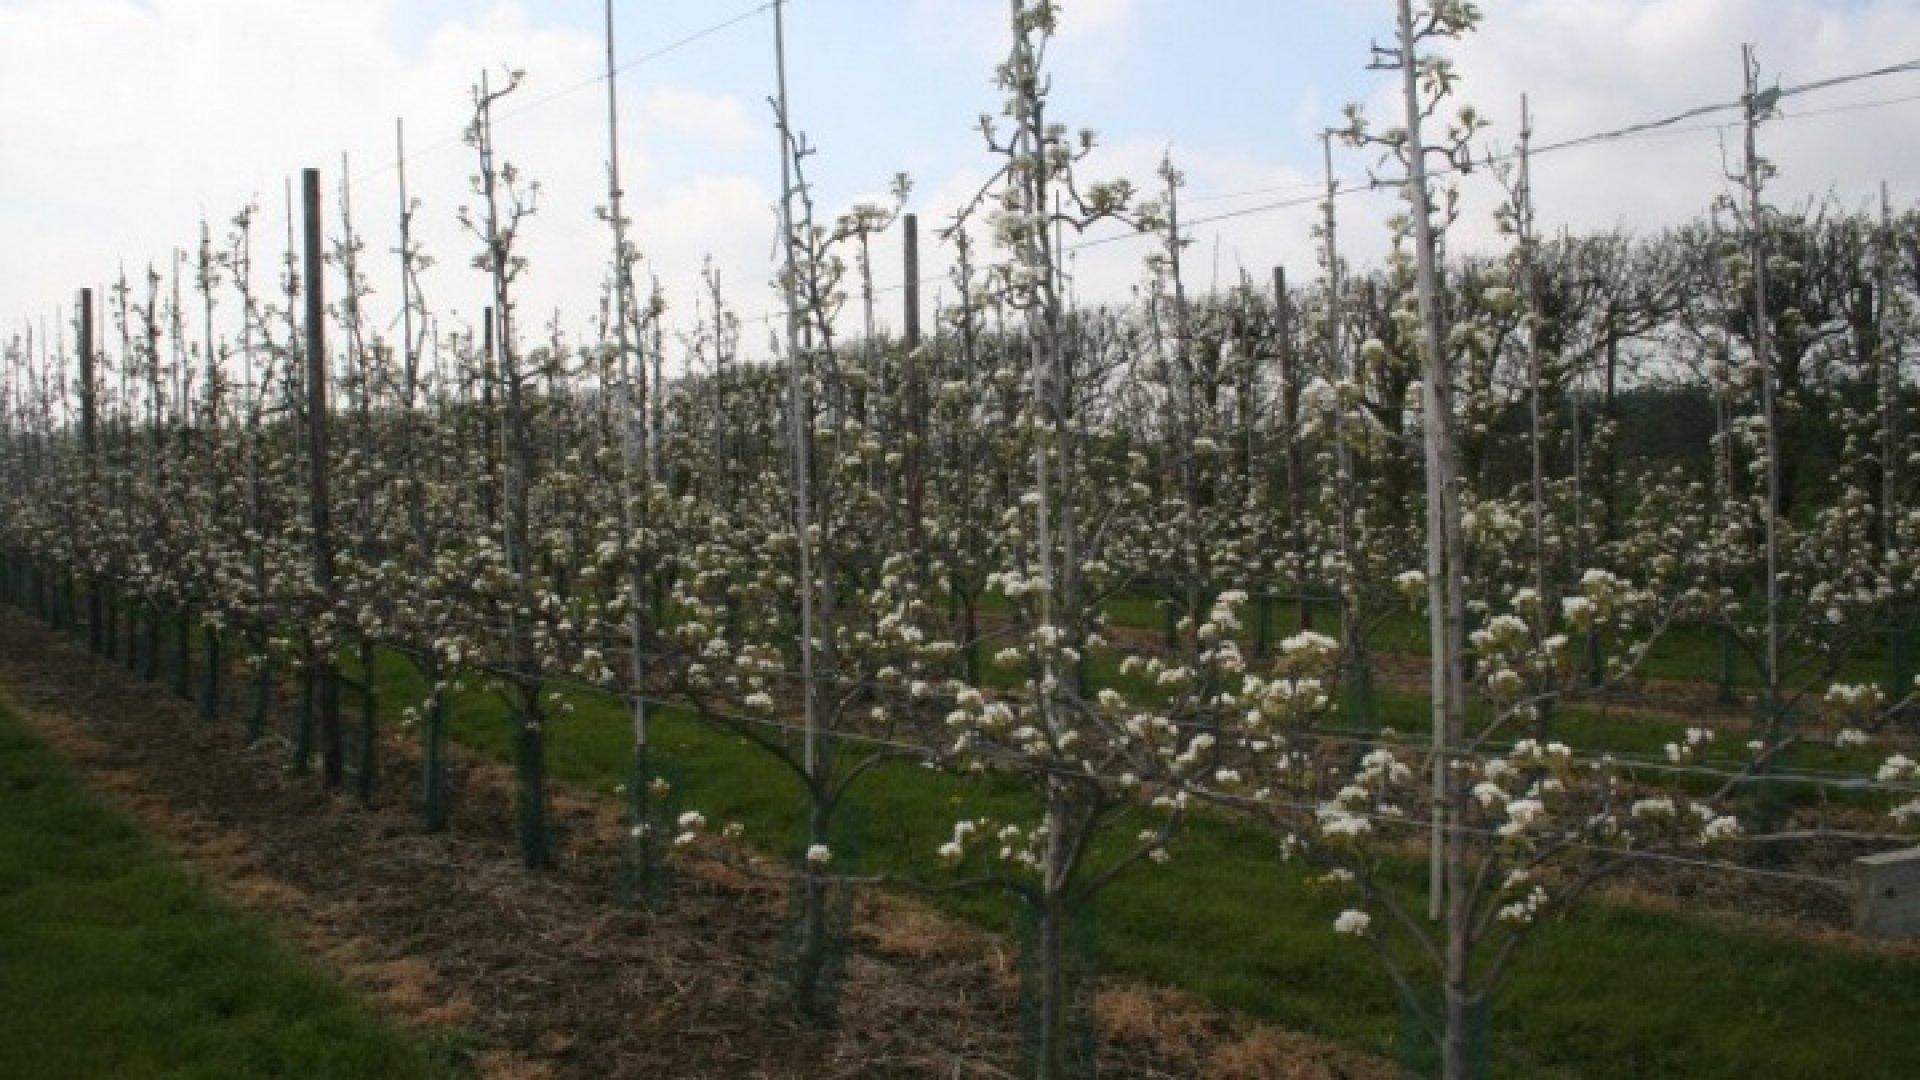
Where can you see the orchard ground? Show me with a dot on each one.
(487, 969)
(540, 972)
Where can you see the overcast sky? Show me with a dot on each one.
(124, 122)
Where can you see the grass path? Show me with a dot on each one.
(114, 963)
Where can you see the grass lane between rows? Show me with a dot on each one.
(115, 963)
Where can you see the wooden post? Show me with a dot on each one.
(1728, 658)
(1263, 622)
(89, 443)
(1887, 367)
(910, 226)
(327, 699)
(915, 427)
(1290, 422)
(490, 482)
(1886, 894)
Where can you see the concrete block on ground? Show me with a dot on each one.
(1886, 894)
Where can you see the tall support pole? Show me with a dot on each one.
(1530, 285)
(327, 699)
(1186, 429)
(1043, 344)
(1528, 241)
(636, 481)
(1358, 667)
(798, 419)
(1887, 362)
(1576, 438)
(1722, 392)
(1757, 111)
(491, 437)
(636, 487)
(409, 349)
(1445, 537)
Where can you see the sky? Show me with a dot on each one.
(126, 123)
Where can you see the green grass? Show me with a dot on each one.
(114, 964)
(1588, 729)
(1688, 652)
(1611, 992)
(1592, 731)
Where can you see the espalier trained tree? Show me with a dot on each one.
(1083, 754)
(517, 601)
(1547, 806)
(817, 617)
(1426, 81)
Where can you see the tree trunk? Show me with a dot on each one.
(1051, 985)
(183, 656)
(435, 804)
(262, 691)
(150, 663)
(109, 619)
(211, 688)
(1457, 1038)
(369, 724)
(302, 749)
(1050, 993)
(810, 956)
(536, 846)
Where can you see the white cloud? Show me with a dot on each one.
(1602, 64)
(125, 120)
(130, 120)
(715, 118)
(727, 217)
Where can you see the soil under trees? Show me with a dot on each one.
(542, 974)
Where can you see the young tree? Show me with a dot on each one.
(517, 597)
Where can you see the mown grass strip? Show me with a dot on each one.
(1688, 652)
(1888, 657)
(114, 963)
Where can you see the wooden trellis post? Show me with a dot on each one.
(327, 687)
